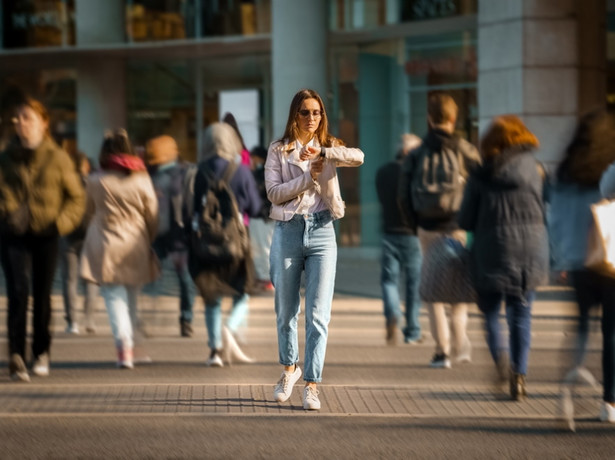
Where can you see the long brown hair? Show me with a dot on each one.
(291, 133)
(505, 132)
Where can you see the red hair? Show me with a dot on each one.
(506, 131)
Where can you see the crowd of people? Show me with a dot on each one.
(465, 225)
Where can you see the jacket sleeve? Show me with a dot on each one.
(468, 214)
(344, 156)
(150, 207)
(404, 197)
(607, 183)
(253, 204)
(278, 191)
(73, 206)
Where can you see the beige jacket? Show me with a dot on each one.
(287, 177)
(117, 247)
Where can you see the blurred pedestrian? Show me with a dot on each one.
(169, 175)
(70, 253)
(430, 192)
(577, 187)
(261, 226)
(117, 252)
(41, 197)
(302, 185)
(401, 250)
(504, 207)
(230, 120)
(221, 161)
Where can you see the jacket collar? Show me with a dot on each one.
(294, 148)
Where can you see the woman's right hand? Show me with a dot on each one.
(316, 168)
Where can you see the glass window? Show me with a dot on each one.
(152, 20)
(236, 17)
(358, 14)
(30, 23)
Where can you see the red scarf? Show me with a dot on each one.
(124, 162)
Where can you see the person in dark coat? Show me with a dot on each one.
(221, 146)
(504, 206)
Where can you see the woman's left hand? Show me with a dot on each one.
(308, 153)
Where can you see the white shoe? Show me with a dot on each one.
(567, 408)
(607, 412)
(284, 387)
(17, 369)
(72, 329)
(310, 398)
(41, 365)
(214, 360)
(440, 361)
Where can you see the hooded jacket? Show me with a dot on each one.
(45, 179)
(503, 205)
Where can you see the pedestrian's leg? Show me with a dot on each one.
(489, 304)
(89, 306)
(320, 268)
(459, 320)
(286, 267)
(213, 322)
(43, 271)
(412, 267)
(608, 342)
(438, 323)
(519, 317)
(239, 312)
(116, 302)
(16, 265)
(69, 278)
(389, 281)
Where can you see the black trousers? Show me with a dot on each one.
(29, 258)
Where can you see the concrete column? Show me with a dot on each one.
(299, 54)
(101, 83)
(533, 62)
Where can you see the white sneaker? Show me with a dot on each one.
(41, 365)
(214, 360)
(310, 398)
(72, 329)
(607, 412)
(440, 361)
(284, 387)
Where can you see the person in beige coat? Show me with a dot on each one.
(117, 252)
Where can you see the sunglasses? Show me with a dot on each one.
(306, 113)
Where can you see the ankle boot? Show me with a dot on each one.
(518, 391)
(232, 350)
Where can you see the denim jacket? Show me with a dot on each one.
(287, 177)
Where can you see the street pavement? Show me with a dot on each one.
(378, 401)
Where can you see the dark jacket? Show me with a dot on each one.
(435, 141)
(168, 180)
(504, 206)
(387, 181)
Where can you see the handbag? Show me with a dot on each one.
(600, 255)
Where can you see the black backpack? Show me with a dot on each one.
(218, 235)
(438, 182)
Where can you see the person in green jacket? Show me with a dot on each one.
(41, 198)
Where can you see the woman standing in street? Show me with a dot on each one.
(41, 198)
(504, 206)
(302, 185)
(117, 252)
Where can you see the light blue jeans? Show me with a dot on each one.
(121, 303)
(213, 318)
(304, 243)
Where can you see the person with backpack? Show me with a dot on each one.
(504, 207)
(303, 187)
(430, 192)
(168, 175)
(400, 249)
(117, 252)
(219, 245)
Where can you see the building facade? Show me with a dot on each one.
(175, 66)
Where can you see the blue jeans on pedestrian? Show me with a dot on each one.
(121, 303)
(213, 318)
(304, 243)
(402, 252)
(519, 318)
(179, 260)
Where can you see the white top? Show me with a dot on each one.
(311, 202)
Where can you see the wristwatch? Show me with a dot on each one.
(323, 154)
